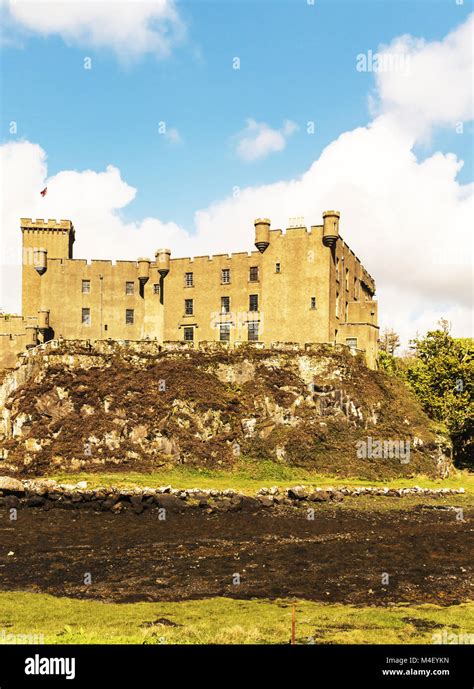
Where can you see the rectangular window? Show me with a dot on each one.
(129, 316)
(277, 268)
(351, 342)
(346, 311)
(156, 289)
(347, 278)
(252, 331)
(86, 316)
(337, 305)
(188, 334)
(225, 304)
(224, 332)
(188, 307)
(313, 302)
(337, 269)
(253, 274)
(225, 276)
(188, 280)
(253, 302)
(86, 286)
(129, 288)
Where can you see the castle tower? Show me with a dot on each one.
(42, 240)
(46, 236)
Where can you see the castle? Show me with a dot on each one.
(302, 285)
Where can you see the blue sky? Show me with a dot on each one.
(297, 63)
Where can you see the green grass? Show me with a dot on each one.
(248, 476)
(225, 621)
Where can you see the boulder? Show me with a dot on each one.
(35, 501)
(297, 493)
(319, 496)
(11, 485)
(265, 501)
(169, 502)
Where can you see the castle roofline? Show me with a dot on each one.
(41, 224)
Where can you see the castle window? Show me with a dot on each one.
(337, 269)
(129, 316)
(346, 311)
(188, 280)
(313, 302)
(224, 332)
(129, 288)
(225, 304)
(188, 334)
(188, 307)
(253, 274)
(86, 316)
(347, 278)
(252, 331)
(351, 342)
(86, 286)
(225, 276)
(156, 289)
(337, 305)
(277, 268)
(253, 302)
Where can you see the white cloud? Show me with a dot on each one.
(258, 140)
(409, 221)
(130, 28)
(435, 88)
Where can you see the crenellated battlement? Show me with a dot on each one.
(192, 260)
(50, 224)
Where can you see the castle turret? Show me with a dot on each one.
(43, 321)
(31, 336)
(262, 233)
(163, 261)
(330, 227)
(143, 270)
(40, 260)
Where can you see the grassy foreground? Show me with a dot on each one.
(224, 621)
(248, 476)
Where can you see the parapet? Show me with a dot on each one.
(41, 224)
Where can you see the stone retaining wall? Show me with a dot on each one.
(48, 494)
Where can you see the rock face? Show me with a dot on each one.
(124, 408)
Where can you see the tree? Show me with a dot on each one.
(441, 375)
(389, 341)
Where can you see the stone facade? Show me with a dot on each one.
(301, 286)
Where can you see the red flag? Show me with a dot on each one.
(43, 193)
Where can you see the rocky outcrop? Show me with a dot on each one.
(73, 407)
